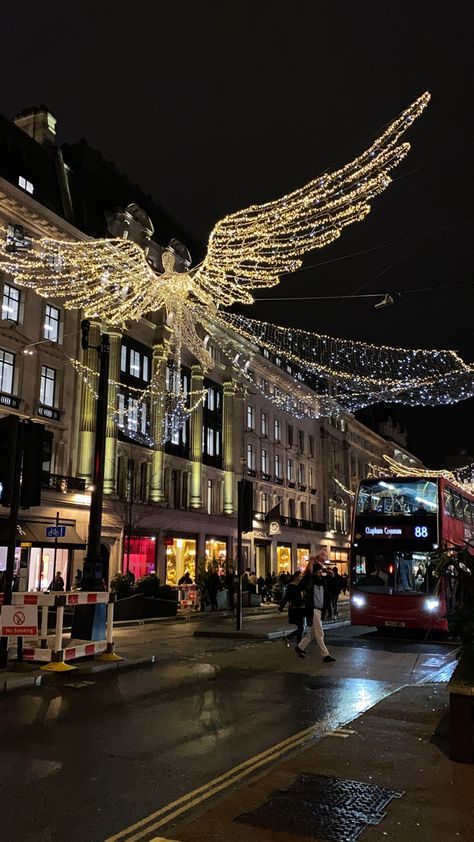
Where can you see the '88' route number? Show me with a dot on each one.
(421, 531)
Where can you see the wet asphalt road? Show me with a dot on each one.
(82, 759)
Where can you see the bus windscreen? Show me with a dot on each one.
(411, 497)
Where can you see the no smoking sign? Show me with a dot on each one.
(19, 622)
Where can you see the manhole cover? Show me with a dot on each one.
(321, 807)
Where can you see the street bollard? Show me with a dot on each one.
(110, 654)
(44, 627)
(57, 663)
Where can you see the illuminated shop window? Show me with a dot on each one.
(180, 557)
(141, 561)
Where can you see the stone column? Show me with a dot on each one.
(157, 490)
(110, 478)
(87, 410)
(228, 446)
(197, 379)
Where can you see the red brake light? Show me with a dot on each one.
(390, 569)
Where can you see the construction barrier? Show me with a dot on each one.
(54, 656)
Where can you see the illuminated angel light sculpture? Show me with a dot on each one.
(110, 279)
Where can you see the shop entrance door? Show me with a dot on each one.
(262, 559)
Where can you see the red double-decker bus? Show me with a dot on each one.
(397, 523)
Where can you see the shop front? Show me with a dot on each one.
(339, 557)
(180, 557)
(139, 556)
(216, 553)
(283, 558)
(302, 556)
(38, 556)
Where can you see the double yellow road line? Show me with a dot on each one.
(146, 828)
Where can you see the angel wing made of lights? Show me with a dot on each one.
(111, 279)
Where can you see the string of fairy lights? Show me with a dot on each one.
(360, 373)
(171, 404)
(462, 478)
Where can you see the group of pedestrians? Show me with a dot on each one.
(311, 596)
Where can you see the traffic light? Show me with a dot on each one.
(85, 328)
(245, 487)
(8, 439)
(33, 457)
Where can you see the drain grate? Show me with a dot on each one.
(321, 807)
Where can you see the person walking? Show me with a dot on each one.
(317, 599)
(335, 588)
(229, 585)
(214, 585)
(295, 598)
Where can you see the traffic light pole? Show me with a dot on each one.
(17, 456)
(92, 572)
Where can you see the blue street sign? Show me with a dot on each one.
(55, 531)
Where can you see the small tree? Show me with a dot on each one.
(459, 564)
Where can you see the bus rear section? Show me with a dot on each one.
(395, 529)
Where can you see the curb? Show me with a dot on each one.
(13, 681)
(94, 667)
(193, 617)
(271, 635)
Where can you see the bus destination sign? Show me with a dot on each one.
(404, 532)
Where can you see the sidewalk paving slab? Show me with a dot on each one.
(402, 744)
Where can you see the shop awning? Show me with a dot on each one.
(35, 533)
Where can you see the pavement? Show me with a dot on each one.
(400, 744)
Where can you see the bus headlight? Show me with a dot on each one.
(431, 604)
(358, 600)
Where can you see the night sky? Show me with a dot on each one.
(211, 106)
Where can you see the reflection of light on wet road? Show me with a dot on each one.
(363, 696)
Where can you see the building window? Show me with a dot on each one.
(135, 362)
(289, 439)
(301, 473)
(10, 303)
(51, 323)
(303, 510)
(289, 470)
(250, 417)
(277, 429)
(301, 440)
(25, 184)
(7, 370)
(133, 417)
(250, 457)
(264, 464)
(209, 496)
(264, 424)
(264, 502)
(277, 465)
(310, 477)
(213, 399)
(48, 386)
(311, 445)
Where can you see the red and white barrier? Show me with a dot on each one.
(55, 656)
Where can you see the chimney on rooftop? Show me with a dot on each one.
(39, 123)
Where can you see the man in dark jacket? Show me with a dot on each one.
(317, 602)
